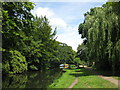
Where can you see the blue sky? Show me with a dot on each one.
(66, 16)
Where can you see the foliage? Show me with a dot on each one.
(77, 62)
(5, 67)
(101, 31)
(66, 54)
(16, 63)
(18, 81)
(16, 23)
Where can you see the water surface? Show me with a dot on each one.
(32, 79)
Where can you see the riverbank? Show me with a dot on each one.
(86, 79)
(64, 81)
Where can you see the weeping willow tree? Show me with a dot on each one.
(101, 29)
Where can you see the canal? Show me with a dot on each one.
(31, 79)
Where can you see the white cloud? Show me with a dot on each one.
(54, 21)
(70, 37)
(43, 12)
(57, 22)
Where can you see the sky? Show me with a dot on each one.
(66, 16)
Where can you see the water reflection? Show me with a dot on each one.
(31, 79)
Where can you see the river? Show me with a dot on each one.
(31, 79)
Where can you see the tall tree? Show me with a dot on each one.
(102, 32)
(16, 23)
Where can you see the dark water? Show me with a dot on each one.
(34, 79)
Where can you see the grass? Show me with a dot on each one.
(65, 80)
(88, 80)
(116, 77)
(85, 80)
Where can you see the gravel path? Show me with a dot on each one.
(112, 80)
(75, 82)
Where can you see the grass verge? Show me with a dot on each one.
(89, 80)
(64, 81)
(115, 77)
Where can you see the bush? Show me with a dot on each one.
(32, 67)
(18, 62)
(5, 67)
(15, 63)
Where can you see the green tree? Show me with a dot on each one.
(66, 54)
(102, 32)
(16, 23)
